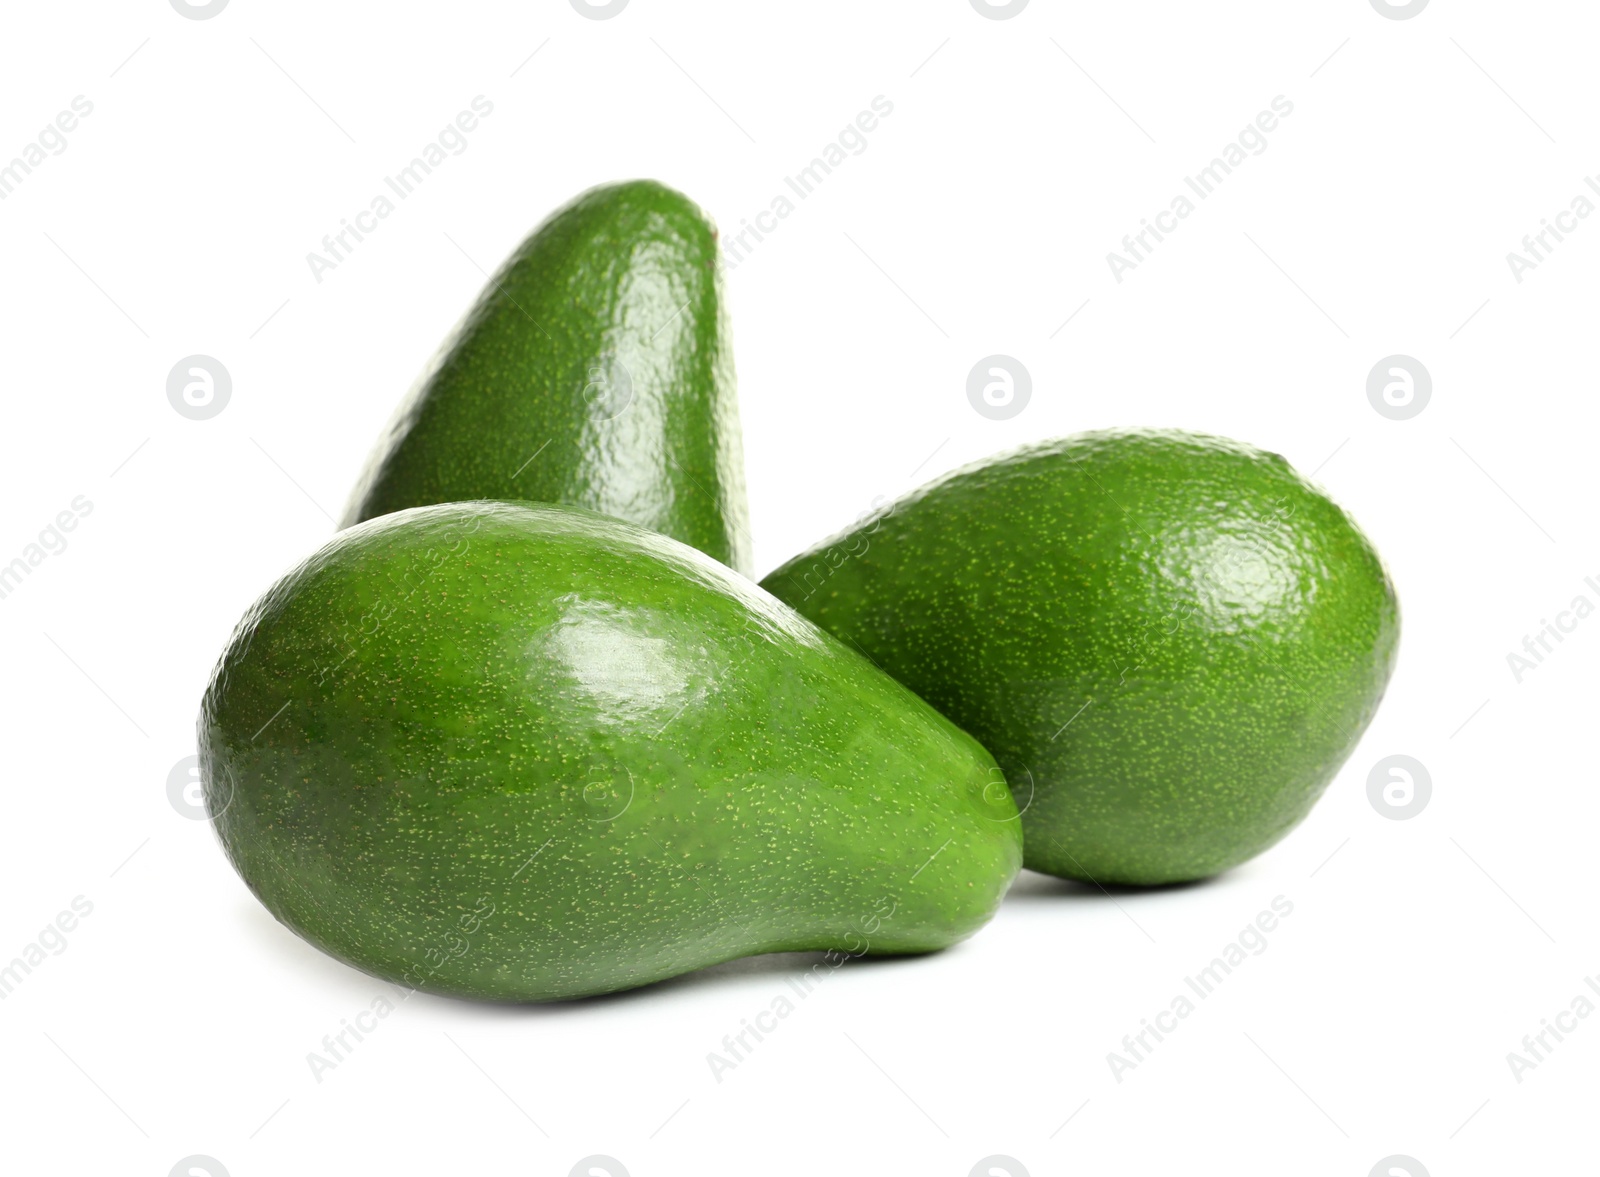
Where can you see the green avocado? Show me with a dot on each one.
(1169, 642)
(595, 369)
(524, 752)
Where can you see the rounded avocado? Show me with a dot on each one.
(1170, 642)
(595, 369)
(525, 752)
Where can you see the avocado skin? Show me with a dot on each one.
(524, 752)
(1170, 642)
(626, 274)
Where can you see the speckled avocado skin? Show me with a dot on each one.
(596, 370)
(1170, 642)
(525, 752)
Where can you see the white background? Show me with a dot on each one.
(177, 221)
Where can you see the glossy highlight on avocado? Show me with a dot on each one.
(1170, 642)
(595, 369)
(524, 752)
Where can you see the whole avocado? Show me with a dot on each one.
(595, 369)
(1170, 642)
(525, 752)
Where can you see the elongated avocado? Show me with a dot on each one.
(1170, 642)
(595, 370)
(526, 752)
